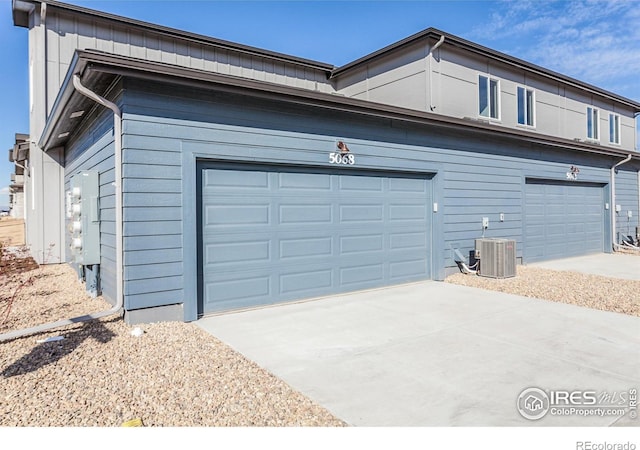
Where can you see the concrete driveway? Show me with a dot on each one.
(613, 265)
(434, 354)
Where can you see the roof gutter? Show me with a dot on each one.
(117, 308)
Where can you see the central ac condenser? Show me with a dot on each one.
(497, 257)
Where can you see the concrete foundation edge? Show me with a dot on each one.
(167, 313)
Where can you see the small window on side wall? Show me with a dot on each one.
(488, 97)
(592, 123)
(526, 107)
(614, 128)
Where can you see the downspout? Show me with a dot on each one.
(432, 107)
(26, 169)
(613, 200)
(116, 309)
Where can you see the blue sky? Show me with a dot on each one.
(597, 41)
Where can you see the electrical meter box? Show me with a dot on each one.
(85, 218)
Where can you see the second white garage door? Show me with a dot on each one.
(562, 220)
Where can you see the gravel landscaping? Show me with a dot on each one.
(591, 291)
(175, 374)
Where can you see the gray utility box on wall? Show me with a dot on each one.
(83, 210)
(497, 257)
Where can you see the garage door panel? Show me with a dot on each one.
(405, 269)
(407, 239)
(562, 220)
(361, 213)
(361, 273)
(575, 229)
(361, 243)
(222, 181)
(238, 252)
(305, 247)
(309, 234)
(303, 181)
(236, 215)
(299, 282)
(555, 210)
(248, 287)
(305, 214)
(361, 184)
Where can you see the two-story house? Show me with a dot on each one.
(185, 175)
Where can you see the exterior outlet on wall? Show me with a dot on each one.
(618, 208)
(485, 223)
(501, 217)
(629, 214)
(435, 207)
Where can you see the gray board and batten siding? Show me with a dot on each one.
(168, 131)
(68, 31)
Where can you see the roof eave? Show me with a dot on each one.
(21, 10)
(108, 64)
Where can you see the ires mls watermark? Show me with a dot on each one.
(534, 403)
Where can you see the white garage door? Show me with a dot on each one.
(271, 234)
(562, 220)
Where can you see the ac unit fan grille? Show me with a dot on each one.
(497, 257)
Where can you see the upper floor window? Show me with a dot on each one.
(489, 97)
(592, 123)
(526, 106)
(614, 128)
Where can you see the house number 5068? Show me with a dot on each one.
(339, 158)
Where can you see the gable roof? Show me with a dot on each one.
(433, 34)
(22, 9)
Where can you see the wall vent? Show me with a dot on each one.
(497, 257)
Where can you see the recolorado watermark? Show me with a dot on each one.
(588, 445)
(535, 403)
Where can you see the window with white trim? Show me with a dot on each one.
(614, 128)
(526, 107)
(488, 97)
(593, 123)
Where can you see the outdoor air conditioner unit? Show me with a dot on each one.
(497, 257)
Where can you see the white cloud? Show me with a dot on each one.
(4, 190)
(596, 41)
